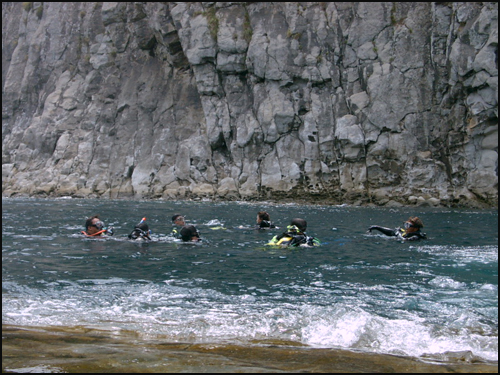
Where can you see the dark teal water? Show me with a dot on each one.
(357, 291)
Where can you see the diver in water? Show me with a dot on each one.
(179, 222)
(141, 231)
(264, 221)
(94, 227)
(409, 232)
(189, 233)
(295, 235)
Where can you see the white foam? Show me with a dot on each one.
(183, 311)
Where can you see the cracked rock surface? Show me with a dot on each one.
(384, 103)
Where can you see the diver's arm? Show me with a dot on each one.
(298, 239)
(280, 236)
(416, 236)
(175, 234)
(386, 231)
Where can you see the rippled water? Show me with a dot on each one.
(357, 291)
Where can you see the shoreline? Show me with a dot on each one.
(303, 200)
(84, 350)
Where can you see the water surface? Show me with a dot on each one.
(433, 301)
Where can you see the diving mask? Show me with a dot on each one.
(99, 225)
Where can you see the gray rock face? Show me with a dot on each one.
(388, 103)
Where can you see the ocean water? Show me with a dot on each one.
(433, 301)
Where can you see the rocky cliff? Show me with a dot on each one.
(323, 101)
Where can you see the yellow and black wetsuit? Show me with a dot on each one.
(293, 237)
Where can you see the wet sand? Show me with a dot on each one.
(84, 350)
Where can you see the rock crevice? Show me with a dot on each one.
(383, 103)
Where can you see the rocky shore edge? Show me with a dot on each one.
(298, 198)
(80, 349)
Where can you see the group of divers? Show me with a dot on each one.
(294, 235)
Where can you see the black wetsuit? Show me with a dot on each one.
(188, 232)
(264, 224)
(401, 233)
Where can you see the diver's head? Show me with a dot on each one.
(263, 216)
(413, 224)
(140, 231)
(93, 225)
(300, 223)
(178, 220)
(143, 226)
